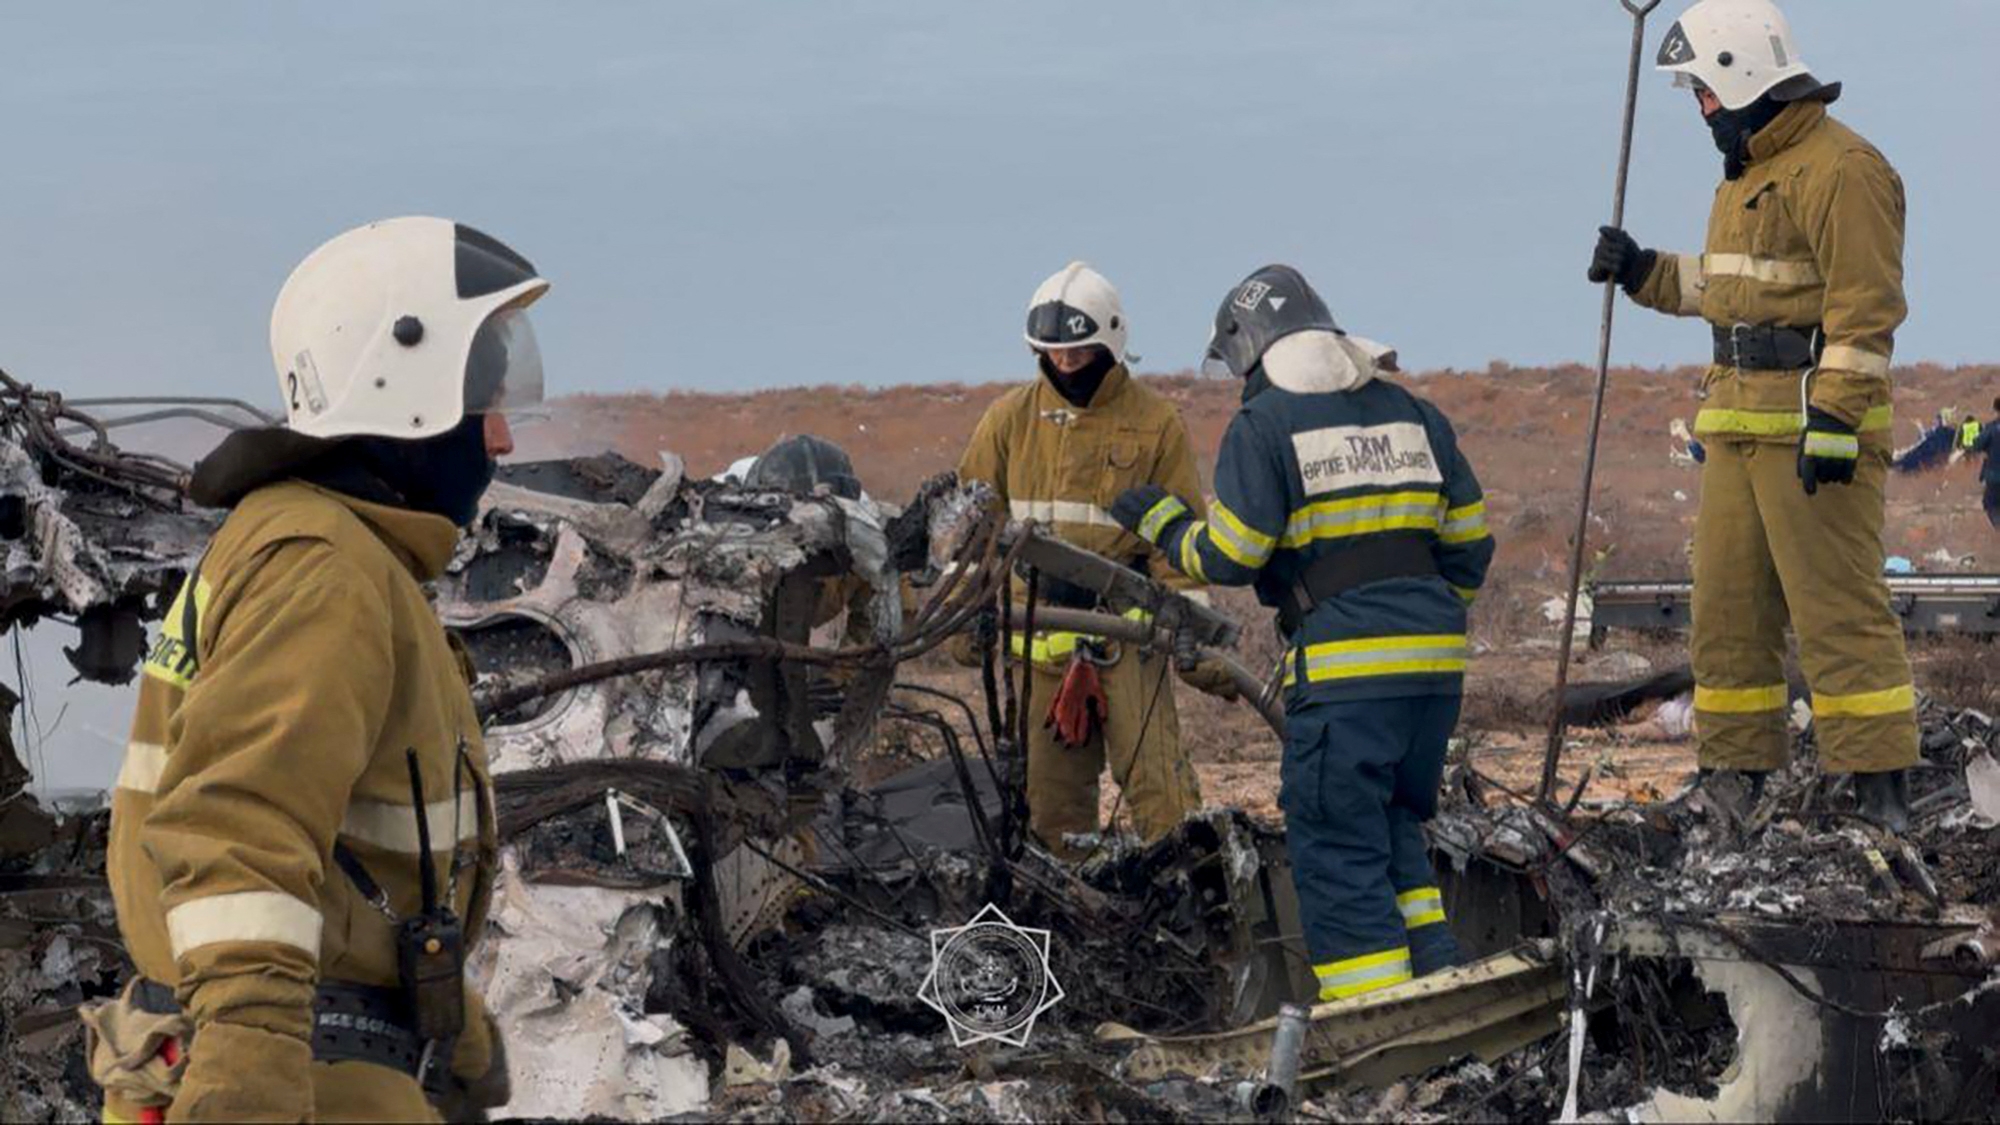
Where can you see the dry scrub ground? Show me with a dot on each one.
(1523, 430)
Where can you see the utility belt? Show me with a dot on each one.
(351, 1023)
(1748, 347)
(139, 1043)
(1330, 575)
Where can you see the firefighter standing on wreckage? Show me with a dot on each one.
(1802, 281)
(1345, 501)
(1058, 451)
(1984, 439)
(302, 838)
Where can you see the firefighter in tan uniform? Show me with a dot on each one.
(302, 833)
(1802, 281)
(1059, 450)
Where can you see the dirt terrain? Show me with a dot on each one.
(1524, 430)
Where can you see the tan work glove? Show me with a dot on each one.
(1211, 676)
(241, 1073)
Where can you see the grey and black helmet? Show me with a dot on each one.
(802, 463)
(1262, 309)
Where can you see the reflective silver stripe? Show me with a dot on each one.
(1382, 656)
(1240, 550)
(393, 827)
(1309, 524)
(1769, 270)
(244, 916)
(1833, 445)
(1163, 513)
(1693, 281)
(1465, 528)
(1842, 357)
(1393, 971)
(1061, 511)
(144, 762)
(1416, 904)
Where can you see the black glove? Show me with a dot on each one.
(1619, 258)
(1828, 451)
(1148, 511)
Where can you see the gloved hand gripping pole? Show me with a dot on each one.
(1639, 10)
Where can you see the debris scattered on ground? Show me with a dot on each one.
(59, 948)
(711, 907)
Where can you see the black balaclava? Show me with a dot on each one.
(444, 475)
(1080, 386)
(1733, 128)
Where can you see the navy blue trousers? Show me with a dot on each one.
(1359, 779)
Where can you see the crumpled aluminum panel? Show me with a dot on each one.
(81, 550)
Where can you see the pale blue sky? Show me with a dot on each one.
(739, 195)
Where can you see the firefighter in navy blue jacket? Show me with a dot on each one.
(1345, 501)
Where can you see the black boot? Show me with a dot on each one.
(1884, 798)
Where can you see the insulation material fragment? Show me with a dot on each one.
(1982, 778)
(565, 973)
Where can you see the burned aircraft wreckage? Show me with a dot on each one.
(727, 845)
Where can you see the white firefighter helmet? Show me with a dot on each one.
(403, 327)
(1741, 50)
(1077, 308)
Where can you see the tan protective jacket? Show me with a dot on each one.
(273, 720)
(1810, 235)
(1063, 465)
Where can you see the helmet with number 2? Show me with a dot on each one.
(1740, 50)
(403, 327)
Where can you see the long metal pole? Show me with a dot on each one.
(1553, 755)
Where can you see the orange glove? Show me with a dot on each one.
(1079, 706)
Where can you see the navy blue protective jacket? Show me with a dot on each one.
(1988, 443)
(1328, 458)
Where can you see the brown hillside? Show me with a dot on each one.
(1523, 428)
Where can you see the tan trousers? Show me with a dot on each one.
(1149, 766)
(1765, 553)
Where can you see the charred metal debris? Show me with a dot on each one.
(730, 835)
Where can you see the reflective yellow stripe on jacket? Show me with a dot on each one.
(1163, 513)
(1464, 525)
(1245, 545)
(1381, 656)
(1365, 515)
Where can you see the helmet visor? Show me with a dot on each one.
(503, 370)
(1054, 324)
(1213, 366)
